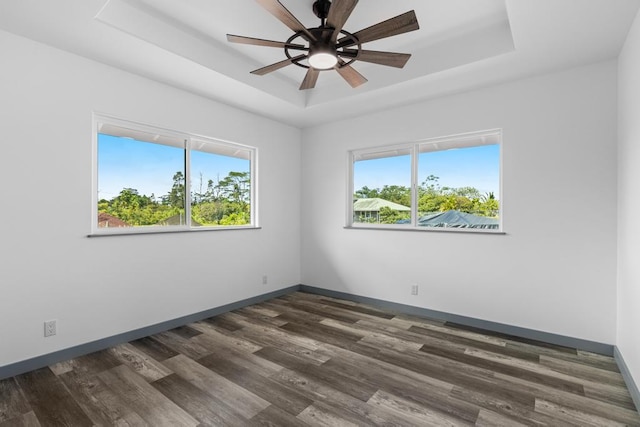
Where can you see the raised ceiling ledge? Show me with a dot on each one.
(167, 34)
(458, 47)
(476, 45)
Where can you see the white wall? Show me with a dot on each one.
(554, 270)
(629, 201)
(98, 287)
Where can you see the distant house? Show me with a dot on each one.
(368, 209)
(109, 221)
(457, 219)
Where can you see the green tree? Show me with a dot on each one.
(235, 187)
(391, 216)
(366, 193)
(175, 197)
(396, 194)
(432, 197)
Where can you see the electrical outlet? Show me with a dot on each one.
(50, 328)
(265, 279)
(414, 289)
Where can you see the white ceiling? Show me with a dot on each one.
(461, 45)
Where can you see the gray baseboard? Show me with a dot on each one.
(628, 379)
(80, 350)
(580, 344)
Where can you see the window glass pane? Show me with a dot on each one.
(459, 187)
(220, 187)
(382, 188)
(140, 184)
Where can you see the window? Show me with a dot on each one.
(149, 180)
(440, 183)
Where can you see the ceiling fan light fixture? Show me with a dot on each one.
(322, 57)
(329, 46)
(323, 61)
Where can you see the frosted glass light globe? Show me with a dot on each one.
(322, 61)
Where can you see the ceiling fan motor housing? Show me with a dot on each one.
(321, 9)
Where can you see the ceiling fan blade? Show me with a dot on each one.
(391, 27)
(282, 13)
(338, 14)
(310, 79)
(352, 77)
(261, 42)
(273, 67)
(390, 59)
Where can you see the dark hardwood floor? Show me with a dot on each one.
(305, 359)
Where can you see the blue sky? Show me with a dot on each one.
(149, 168)
(468, 167)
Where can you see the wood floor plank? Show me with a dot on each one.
(491, 419)
(25, 420)
(574, 416)
(526, 369)
(330, 312)
(322, 333)
(12, 403)
(285, 359)
(211, 337)
(249, 316)
(220, 322)
(247, 403)
(262, 309)
(207, 409)
(101, 404)
(182, 345)
(462, 333)
(377, 371)
(185, 331)
(329, 400)
(357, 308)
(514, 339)
(492, 362)
(137, 360)
(326, 417)
(443, 338)
(435, 366)
(516, 406)
(154, 349)
(149, 403)
(306, 359)
(571, 400)
(50, 399)
(425, 392)
(413, 413)
(275, 417)
(270, 337)
(613, 395)
(377, 337)
(579, 370)
(597, 360)
(407, 320)
(242, 359)
(90, 364)
(273, 392)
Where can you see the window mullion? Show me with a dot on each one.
(414, 185)
(187, 183)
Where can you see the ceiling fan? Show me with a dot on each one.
(329, 47)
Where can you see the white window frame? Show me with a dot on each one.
(463, 140)
(170, 136)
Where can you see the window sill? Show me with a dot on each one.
(426, 229)
(165, 231)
